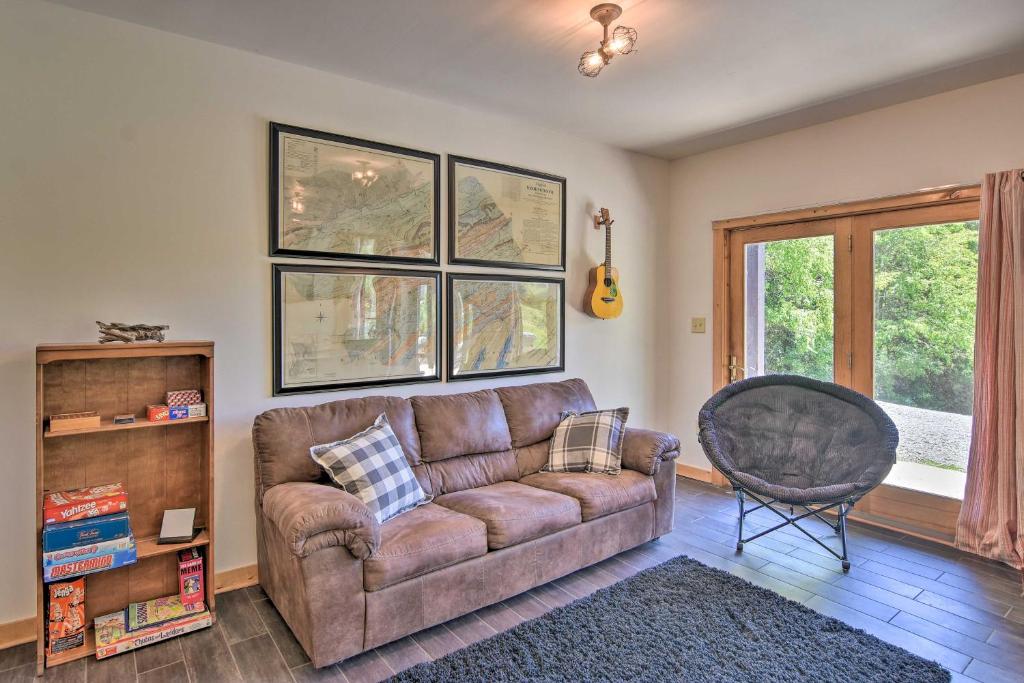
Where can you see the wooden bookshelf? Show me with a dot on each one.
(162, 465)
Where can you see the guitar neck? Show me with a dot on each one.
(607, 248)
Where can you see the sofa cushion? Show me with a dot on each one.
(515, 513)
(282, 437)
(460, 424)
(422, 540)
(534, 410)
(372, 467)
(598, 495)
(588, 442)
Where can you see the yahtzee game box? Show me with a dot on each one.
(93, 501)
(65, 616)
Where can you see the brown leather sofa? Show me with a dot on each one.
(496, 526)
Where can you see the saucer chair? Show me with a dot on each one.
(806, 444)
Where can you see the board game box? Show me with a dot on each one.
(94, 501)
(143, 615)
(65, 616)
(113, 636)
(88, 559)
(190, 578)
(85, 531)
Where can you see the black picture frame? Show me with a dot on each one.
(455, 259)
(276, 129)
(279, 270)
(498, 277)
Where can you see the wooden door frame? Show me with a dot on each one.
(854, 222)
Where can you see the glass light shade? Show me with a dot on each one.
(623, 40)
(591, 63)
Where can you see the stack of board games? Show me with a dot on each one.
(86, 531)
(65, 616)
(178, 405)
(144, 623)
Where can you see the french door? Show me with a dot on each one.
(877, 296)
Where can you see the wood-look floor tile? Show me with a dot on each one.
(171, 673)
(951, 659)
(237, 616)
(290, 648)
(499, 617)
(368, 667)
(833, 593)
(157, 655)
(26, 673)
(259, 661)
(961, 643)
(981, 671)
(527, 606)
(307, 673)
(403, 653)
(17, 656)
(116, 669)
(551, 595)
(470, 628)
(438, 641)
(207, 656)
(256, 593)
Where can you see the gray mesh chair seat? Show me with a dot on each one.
(800, 442)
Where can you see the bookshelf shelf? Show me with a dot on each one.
(148, 547)
(107, 425)
(159, 468)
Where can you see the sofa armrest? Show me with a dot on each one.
(314, 516)
(644, 449)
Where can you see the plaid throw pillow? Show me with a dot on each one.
(588, 442)
(372, 467)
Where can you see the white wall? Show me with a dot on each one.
(952, 138)
(133, 187)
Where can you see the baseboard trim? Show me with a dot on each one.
(239, 577)
(17, 632)
(691, 472)
(24, 630)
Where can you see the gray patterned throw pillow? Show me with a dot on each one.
(588, 442)
(372, 467)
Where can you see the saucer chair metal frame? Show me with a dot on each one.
(873, 461)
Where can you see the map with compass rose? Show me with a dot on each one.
(341, 326)
(343, 197)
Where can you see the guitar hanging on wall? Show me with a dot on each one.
(604, 299)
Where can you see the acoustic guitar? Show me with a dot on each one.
(604, 298)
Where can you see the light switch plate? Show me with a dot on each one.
(697, 325)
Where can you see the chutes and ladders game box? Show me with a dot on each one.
(113, 636)
(65, 616)
(94, 501)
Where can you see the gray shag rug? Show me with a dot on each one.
(681, 621)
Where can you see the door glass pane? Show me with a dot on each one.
(788, 307)
(925, 282)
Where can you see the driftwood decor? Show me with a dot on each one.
(119, 332)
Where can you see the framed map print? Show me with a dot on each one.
(333, 196)
(504, 216)
(339, 328)
(504, 325)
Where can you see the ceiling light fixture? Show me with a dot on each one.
(622, 40)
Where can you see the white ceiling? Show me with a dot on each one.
(707, 73)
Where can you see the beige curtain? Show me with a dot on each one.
(993, 510)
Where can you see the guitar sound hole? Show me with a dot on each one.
(607, 282)
(608, 299)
